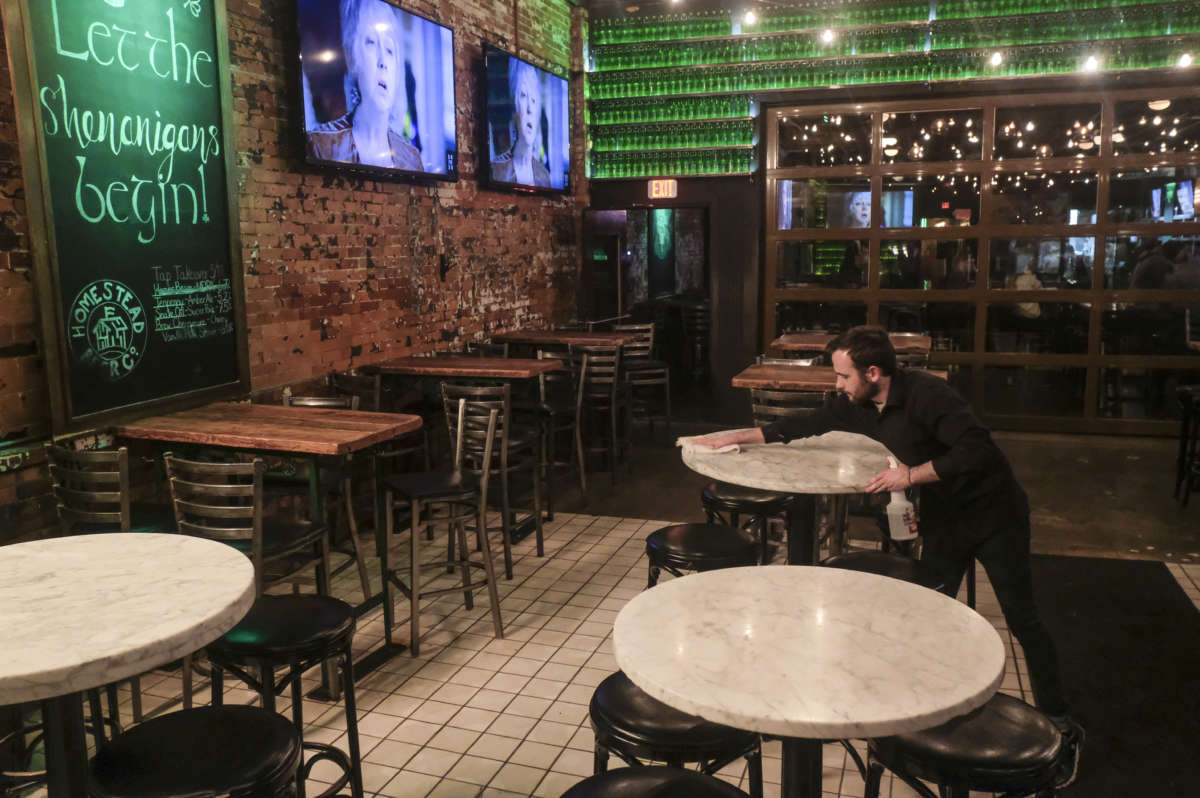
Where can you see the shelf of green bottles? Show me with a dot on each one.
(701, 162)
(671, 83)
(822, 15)
(1159, 19)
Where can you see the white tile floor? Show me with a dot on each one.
(479, 716)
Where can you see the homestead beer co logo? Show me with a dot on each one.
(108, 328)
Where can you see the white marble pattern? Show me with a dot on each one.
(836, 462)
(79, 612)
(804, 651)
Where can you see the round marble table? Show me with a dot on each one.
(808, 653)
(80, 612)
(836, 462)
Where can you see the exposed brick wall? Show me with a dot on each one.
(339, 270)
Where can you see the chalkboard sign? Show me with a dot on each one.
(124, 117)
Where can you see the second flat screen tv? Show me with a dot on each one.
(378, 89)
(528, 125)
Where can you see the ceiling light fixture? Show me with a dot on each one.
(1158, 105)
(1091, 64)
(997, 58)
(827, 36)
(1185, 60)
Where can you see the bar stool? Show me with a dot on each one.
(660, 782)
(1006, 746)
(463, 493)
(294, 632)
(241, 752)
(726, 503)
(645, 374)
(698, 547)
(635, 726)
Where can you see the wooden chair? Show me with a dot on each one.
(224, 501)
(697, 325)
(516, 451)
(463, 493)
(336, 478)
(646, 375)
(560, 408)
(487, 349)
(607, 407)
(93, 493)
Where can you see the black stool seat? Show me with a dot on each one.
(698, 547)
(736, 498)
(659, 782)
(286, 627)
(434, 485)
(238, 751)
(885, 564)
(625, 715)
(1004, 746)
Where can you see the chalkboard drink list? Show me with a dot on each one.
(128, 104)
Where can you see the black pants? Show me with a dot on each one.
(1005, 556)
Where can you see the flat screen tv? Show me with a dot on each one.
(528, 144)
(378, 89)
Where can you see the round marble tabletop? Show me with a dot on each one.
(836, 462)
(808, 652)
(79, 612)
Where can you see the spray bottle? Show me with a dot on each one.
(901, 515)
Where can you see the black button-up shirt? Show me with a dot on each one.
(926, 420)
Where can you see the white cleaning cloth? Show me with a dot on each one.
(689, 446)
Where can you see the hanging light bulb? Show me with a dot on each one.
(997, 58)
(1185, 60)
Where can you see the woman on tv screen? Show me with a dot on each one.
(521, 163)
(858, 209)
(375, 77)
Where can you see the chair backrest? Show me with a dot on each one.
(487, 349)
(367, 388)
(642, 346)
(564, 385)
(90, 487)
(696, 321)
(913, 360)
(768, 406)
(220, 501)
(328, 402)
(604, 370)
(474, 427)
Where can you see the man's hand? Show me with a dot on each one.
(890, 480)
(754, 435)
(716, 441)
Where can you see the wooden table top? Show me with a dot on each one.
(507, 368)
(904, 343)
(793, 378)
(565, 337)
(273, 428)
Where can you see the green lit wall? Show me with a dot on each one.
(678, 94)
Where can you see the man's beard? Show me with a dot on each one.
(872, 392)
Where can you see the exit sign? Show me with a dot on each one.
(663, 189)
